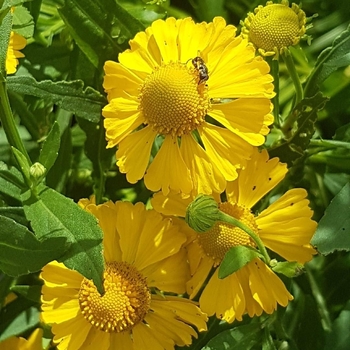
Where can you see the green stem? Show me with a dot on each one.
(232, 221)
(274, 65)
(288, 59)
(8, 121)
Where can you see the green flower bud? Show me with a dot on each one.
(202, 213)
(37, 172)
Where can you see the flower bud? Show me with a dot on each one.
(202, 213)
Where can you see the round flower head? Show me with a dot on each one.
(16, 43)
(143, 253)
(34, 342)
(197, 91)
(284, 227)
(274, 27)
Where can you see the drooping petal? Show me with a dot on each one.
(224, 297)
(134, 152)
(286, 226)
(168, 170)
(171, 204)
(205, 175)
(225, 149)
(266, 287)
(170, 274)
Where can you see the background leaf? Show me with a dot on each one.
(71, 96)
(333, 231)
(51, 145)
(22, 253)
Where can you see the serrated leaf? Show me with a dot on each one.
(238, 338)
(51, 145)
(235, 259)
(292, 149)
(22, 253)
(333, 231)
(71, 96)
(5, 29)
(23, 22)
(53, 215)
(328, 61)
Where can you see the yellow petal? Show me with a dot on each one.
(205, 175)
(266, 287)
(120, 81)
(286, 226)
(259, 177)
(121, 118)
(134, 152)
(172, 204)
(225, 149)
(168, 170)
(170, 274)
(244, 117)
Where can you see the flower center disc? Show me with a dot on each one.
(125, 302)
(172, 101)
(273, 26)
(217, 241)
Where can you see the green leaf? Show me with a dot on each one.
(53, 215)
(16, 214)
(339, 338)
(22, 253)
(288, 268)
(292, 149)
(236, 258)
(206, 10)
(29, 292)
(71, 96)
(5, 29)
(333, 231)
(22, 162)
(11, 182)
(330, 59)
(23, 23)
(238, 338)
(51, 145)
(18, 317)
(96, 151)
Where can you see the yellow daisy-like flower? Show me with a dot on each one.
(143, 254)
(196, 89)
(34, 342)
(284, 227)
(274, 27)
(16, 43)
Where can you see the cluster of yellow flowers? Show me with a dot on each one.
(203, 94)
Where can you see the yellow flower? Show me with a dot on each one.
(34, 342)
(16, 43)
(197, 91)
(143, 254)
(274, 27)
(285, 227)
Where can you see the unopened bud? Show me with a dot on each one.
(202, 213)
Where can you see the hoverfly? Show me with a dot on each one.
(201, 68)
